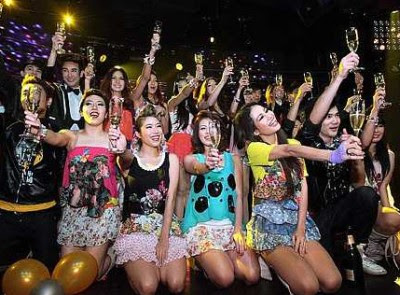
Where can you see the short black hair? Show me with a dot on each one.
(73, 57)
(34, 62)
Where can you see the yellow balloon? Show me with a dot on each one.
(75, 271)
(21, 277)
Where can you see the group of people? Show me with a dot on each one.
(179, 185)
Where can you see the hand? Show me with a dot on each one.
(88, 73)
(57, 41)
(359, 80)
(334, 72)
(227, 72)
(303, 90)
(213, 158)
(349, 62)
(300, 242)
(243, 82)
(379, 98)
(199, 72)
(162, 250)
(32, 121)
(239, 241)
(117, 138)
(350, 149)
(350, 102)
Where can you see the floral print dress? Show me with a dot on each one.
(274, 216)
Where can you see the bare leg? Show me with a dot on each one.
(100, 254)
(143, 276)
(292, 268)
(246, 266)
(328, 275)
(387, 223)
(183, 192)
(218, 267)
(173, 275)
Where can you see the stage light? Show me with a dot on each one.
(179, 66)
(103, 58)
(68, 19)
(212, 39)
(8, 2)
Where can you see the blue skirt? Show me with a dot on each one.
(273, 224)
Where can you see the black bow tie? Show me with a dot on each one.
(77, 91)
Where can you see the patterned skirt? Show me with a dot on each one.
(215, 235)
(273, 224)
(138, 238)
(77, 229)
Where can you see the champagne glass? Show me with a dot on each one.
(334, 59)
(245, 74)
(198, 59)
(278, 79)
(214, 131)
(379, 80)
(61, 29)
(357, 115)
(31, 98)
(90, 55)
(229, 63)
(115, 113)
(308, 78)
(352, 43)
(157, 29)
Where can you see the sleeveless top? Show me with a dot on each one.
(212, 195)
(90, 180)
(146, 189)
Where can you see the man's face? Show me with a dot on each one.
(330, 125)
(70, 73)
(32, 70)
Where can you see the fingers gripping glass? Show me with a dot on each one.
(115, 113)
(357, 115)
(214, 130)
(61, 29)
(379, 80)
(352, 43)
(308, 78)
(229, 63)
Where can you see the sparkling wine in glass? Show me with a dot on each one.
(30, 96)
(334, 59)
(379, 80)
(278, 79)
(115, 113)
(229, 63)
(357, 116)
(157, 29)
(245, 74)
(308, 78)
(90, 55)
(215, 135)
(352, 43)
(198, 59)
(61, 29)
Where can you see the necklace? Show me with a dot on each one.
(150, 167)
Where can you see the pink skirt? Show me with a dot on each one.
(181, 145)
(134, 246)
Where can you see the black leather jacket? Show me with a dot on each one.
(42, 184)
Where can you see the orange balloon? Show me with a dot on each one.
(21, 277)
(75, 271)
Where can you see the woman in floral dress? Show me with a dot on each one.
(280, 229)
(150, 243)
(213, 217)
(90, 190)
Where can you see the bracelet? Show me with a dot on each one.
(373, 119)
(235, 99)
(192, 83)
(43, 132)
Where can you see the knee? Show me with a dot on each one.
(307, 287)
(367, 196)
(223, 279)
(145, 287)
(331, 284)
(252, 277)
(176, 286)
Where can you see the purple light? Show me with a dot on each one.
(11, 31)
(37, 26)
(28, 36)
(25, 28)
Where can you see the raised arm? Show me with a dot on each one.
(243, 82)
(323, 103)
(369, 127)
(205, 104)
(294, 109)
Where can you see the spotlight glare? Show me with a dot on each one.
(8, 2)
(179, 66)
(68, 19)
(212, 39)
